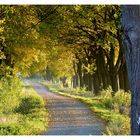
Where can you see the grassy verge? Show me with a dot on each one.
(25, 112)
(117, 123)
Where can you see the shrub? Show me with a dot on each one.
(120, 126)
(6, 129)
(30, 102)
(81, 90)
(106, 98)
(20, 113)
(122, 102)
(33, 123)
(9, 93)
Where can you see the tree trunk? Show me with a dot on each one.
(131, 42)
(90, 83)
(86, 80)
(48, 74)
(121, 79)
(64, 81)
(96, 83)
(98, 75)
(79, 70)
(75, 77)
(103, 69)
(112, 70)
(126, 82)
(75, 81)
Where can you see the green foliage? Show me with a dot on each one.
(21, 112)
(120, 126)
(81, 90)
(61, 64)
(122, 102)
(26, 125)
(6, 129)
(119, 103)
(9, 93)
(21, 45)
(77, 90)
(73, 91)
(29, 103)
(107, 99)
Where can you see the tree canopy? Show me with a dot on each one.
(78, 42)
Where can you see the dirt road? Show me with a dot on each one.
(69, 116)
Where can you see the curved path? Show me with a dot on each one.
(68, 116)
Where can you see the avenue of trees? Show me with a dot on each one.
(93, 36)
(78, 43)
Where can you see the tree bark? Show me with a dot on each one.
(103, 69)
(75, 81)
(126, 82)
(64, 81)
(79, 71)
(112, 70)
(86, 80)
(121, 79)
(130, 21)
(96, 83)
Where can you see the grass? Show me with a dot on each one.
(117, 123)
(26, 115)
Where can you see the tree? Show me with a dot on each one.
(131, 41)
(94, 34)
(22, 45)
(80, 42)
(15, 36)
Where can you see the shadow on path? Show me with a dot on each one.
(68, 116)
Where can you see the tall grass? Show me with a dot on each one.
(120, 102)
(22, 112)
(9, 95)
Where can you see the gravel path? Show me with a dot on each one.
(69, 116)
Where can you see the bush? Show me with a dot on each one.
(122, 102)
(29, 124)
(106, 98)
(30, 102)
(120, 126)
(20, 113)
(6, 129)
(9, 93)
